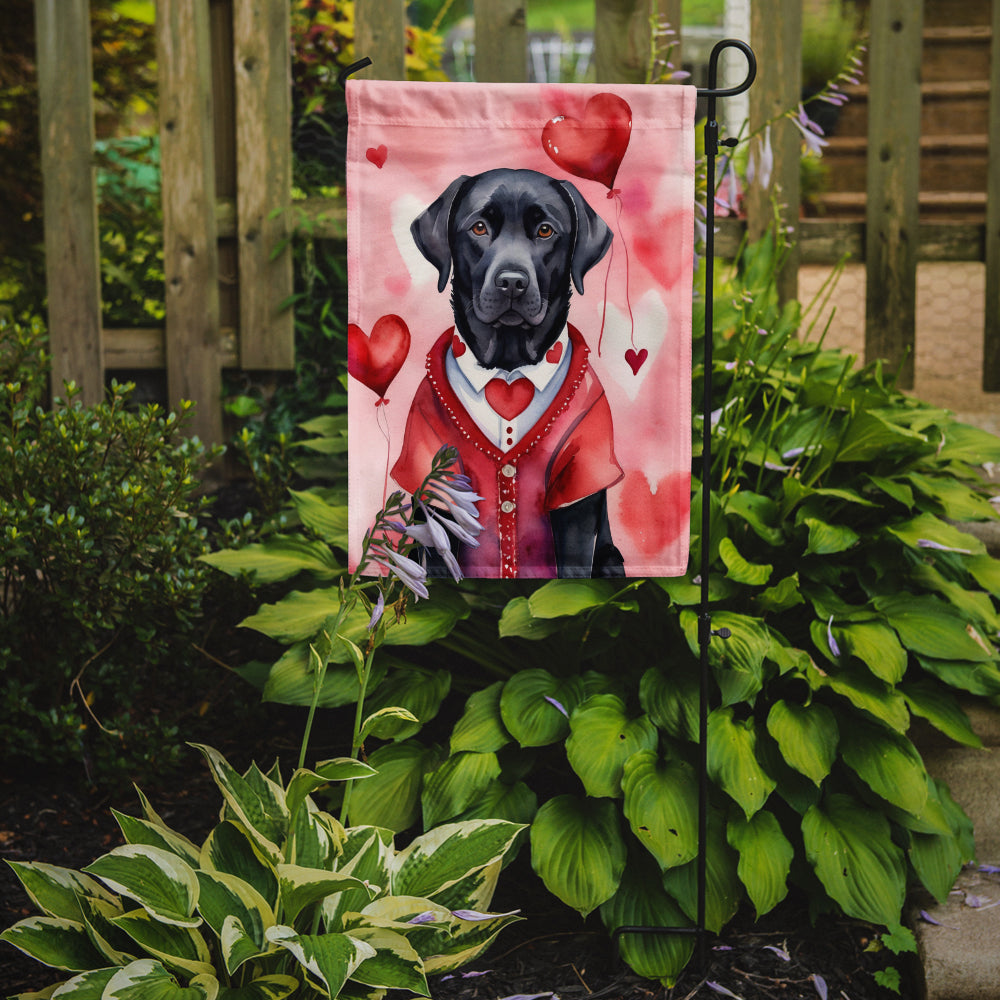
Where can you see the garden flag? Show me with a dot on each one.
(520, 263)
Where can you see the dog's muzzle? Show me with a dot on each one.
(509, 297)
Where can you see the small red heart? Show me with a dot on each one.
(592, 148)
(457, 345)
(509, 399)
(377, 156)
(554, 353)
(636, 361)
(375, 361)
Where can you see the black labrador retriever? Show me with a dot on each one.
(518, 241)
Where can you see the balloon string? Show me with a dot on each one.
(383, 426)
(628, 300)
(604, 309)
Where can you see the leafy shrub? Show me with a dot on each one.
(279, 899)
(99, 541)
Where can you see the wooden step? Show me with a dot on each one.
(956, 53)
(945, 12)
(958, 206)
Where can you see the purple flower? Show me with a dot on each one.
(780, 952)
(927, 543)
(411, 574)
(761, 163)
(377, 611)
(475, 915)
(719, 988)
(552, 701)
(820, 983)
(427, 917)
(811, 132)
(834, 648)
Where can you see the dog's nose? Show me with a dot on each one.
(514, 283)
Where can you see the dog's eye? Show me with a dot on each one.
(545, 231)
(479, 228)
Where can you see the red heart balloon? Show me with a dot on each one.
(592, 148)
(375, 361)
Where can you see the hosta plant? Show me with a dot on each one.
(279, 900)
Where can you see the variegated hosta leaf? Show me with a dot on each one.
(274, 987)
(301, 887)
(147, 979)
(329, 959)
(256, 801)
(87, 986)
(456, 784)
(395, 964)
(225, 897)
(367, 853)
(807, 736)
(177, 947)
(391, 799)
(315, 838)
(304, 782)
(98, 915)
(732, 760)
(850, 847)
(158, 880)
(578, 851)
(888, 763)
(535, 706)
(602, 737)
(141, 831)
(230, 849)
(54, 941)
(481, 727)
(765, 858)
(476, 890)
(661, 805)
(467, 940)
(441, 857)
(56, 891)
(642, 902)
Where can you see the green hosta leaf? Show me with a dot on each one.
(141, 831)
(941, 709)
(226, 898)
(850, 848)
(976, 678)
(975, 605)
(957, 501)
(783, 595)
(931, 628)
(180, 948)
(578, 851)
(327, 520)
(732, 760)
(418, 691)
(671, 700)
(928, 528)
(559, 598)
(866, 692)
(481, 728)
(54, 941)
(807, 736)
(456, 784)
(517, 620)
(723, 889)
(758, 511)
(683, 592)
(260, 809)
(765, 858)
(661, 799)
(738, 661)
(395, 964)
(304, 782)
(828, 539)
(888, 763)
(301, 887)
(387, 723)
(275, 987)
(876, 646)
(602, 738)
(893, 488)
(516, 803)
(147, 979)
(56, 891)
(438, 859)
(330, 959)
(965, 443)
(937, 860)
(292, 681)
(870, 435)
(641, 901)
(230, 849)
(391, 798)
(535, 706)
(279, 558)
(986, 571)
(751, 574)
(159, 881)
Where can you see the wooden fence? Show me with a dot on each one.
(226, 160)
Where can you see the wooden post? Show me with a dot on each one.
(380, 34)
(892, 214)
(991, 333)
(776, 35)
(72, 255)
(622, 40)
(501, 41)
(190, 253)
(262, 61)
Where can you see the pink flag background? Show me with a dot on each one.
(407, 143)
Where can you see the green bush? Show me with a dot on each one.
(101, 584)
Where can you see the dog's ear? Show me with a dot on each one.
(430, 231)
(593, 237)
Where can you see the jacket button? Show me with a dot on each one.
(509, 470)
(507, 506)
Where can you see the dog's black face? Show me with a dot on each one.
(516, 239)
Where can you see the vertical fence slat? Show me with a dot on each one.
(501, 41)
(261, 57)
(776, 35)
(892, 214)
(380, 34)
(621, 40)
(72, 257)
(991, 332)
(190, 253)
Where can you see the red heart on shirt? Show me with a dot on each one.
(457, 345)
(377, 156)
(554, 353)
(592, 148)
(509, 399)
(375, 361)
(636, 361)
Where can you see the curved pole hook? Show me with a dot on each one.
(713, 69)
(353, 68)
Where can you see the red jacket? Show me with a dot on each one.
(567, 455)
